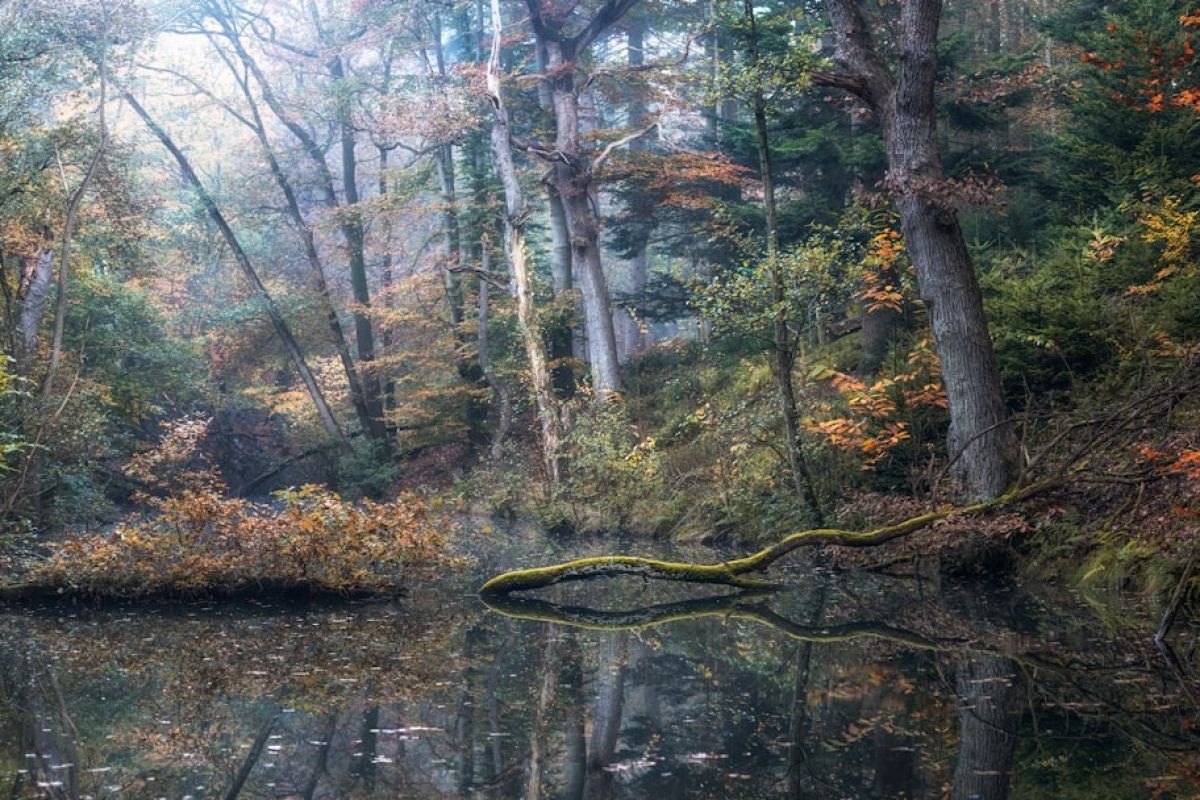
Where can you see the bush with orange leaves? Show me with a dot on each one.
(200, 541)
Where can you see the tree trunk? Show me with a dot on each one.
(503, 393)
(328, 421)
(610, 704)
(451, 232)
(800, 722)
(451, 235)
(514, 243)
(878, 328)
(986, 739)
(33, 293)
(633, 341)
(352, 231)
(251, 760)
(784, 353)
(980, 422)
(573, 180)
(551, 664)
(385, 275)
(567, 342)
(981, 439)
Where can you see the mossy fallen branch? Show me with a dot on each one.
(733, 573)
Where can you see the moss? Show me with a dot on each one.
(729, 573)
(602, 566)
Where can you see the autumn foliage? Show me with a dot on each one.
(199, 540)
(1152, 74)
(875, 424)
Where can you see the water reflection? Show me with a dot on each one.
(846, 687)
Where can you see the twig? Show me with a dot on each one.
(1160, 638)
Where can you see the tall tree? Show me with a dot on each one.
(282, 330)
(785, 346)
(252, 118)
(981, 438)
(549, 414)
(574, 173)
(639, 256)
(328, 54)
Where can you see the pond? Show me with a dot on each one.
(844, 686)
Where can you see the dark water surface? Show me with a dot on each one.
(847, 686)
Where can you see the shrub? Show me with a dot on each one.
(199, 540)
(203, 542)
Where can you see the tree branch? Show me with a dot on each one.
(856, 50)
(731, 573)
(624, 140)
(839, 80)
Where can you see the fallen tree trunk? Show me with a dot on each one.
(733, 573)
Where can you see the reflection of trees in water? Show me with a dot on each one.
(974, 754)
(986, 728)
(732, 699)
(38, 721)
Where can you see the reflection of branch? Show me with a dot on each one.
(749, 606)
(243, 773)
(746, 605)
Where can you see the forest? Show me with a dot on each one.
(599, 398)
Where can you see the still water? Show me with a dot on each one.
(845, 686)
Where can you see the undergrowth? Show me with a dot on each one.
(195, 539)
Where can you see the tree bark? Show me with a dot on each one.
(451, 235)
(633, 340)
(33, 293)
(549, 414)
(573, 177)
(503, 393)
(295, 354)
(878, 328)
(566, 341)
(573, 183)
(981, 440)
(560, 265)
(353, 233)
(451, 231)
